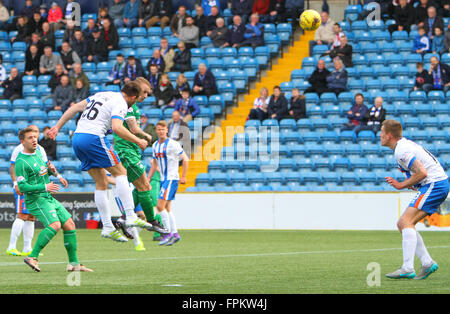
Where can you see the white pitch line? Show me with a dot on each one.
(6, 264)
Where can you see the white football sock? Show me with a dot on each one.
(166, 220)
(16, 229)
(28, 232)
(173, 225)
(135, 233)
(102, 203)
(126, 196)
(421, 251)
(409, 244)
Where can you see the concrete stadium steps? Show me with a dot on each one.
(280, 72)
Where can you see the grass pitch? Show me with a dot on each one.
(228, 261)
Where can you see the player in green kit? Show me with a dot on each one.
(131, 157)
(32, 175)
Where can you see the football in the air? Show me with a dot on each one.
(310, 20)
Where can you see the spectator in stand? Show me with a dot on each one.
(261, 7)
(254, 32)
(200, 21)
(178, 21)
(43, 11)
(208, 5)
(182, 84)
(337, 80)
(189, 34)
(278, 105)
(421, 42)
(447, 40)
(28, 9)
(102, 16)
(294, 9)
(80, 91)
(220, 34)
(116, 12)
(4, 16)
(63, 95)
(438, 45)
(338, 34)
(87, 32)
(211, 20)
(445, 8)
(424, 81)
(109, 33)
(96, 49)
(187, 107)
(12, 85)
(177, 126)
(260, 105)
(243, 8)
(35, 24)
(23, 30)
(432, 22)
(48, 144)
(404, 17)
(47, 35)
(440, 73)
(164, 93)
(116, 75)
(69, 32)
(145, 12)
(36, 40)
(318, 79)
(324, 34)
(236, 33)
(297, 105)
(68, 57)
(48, 61)
(158, 60)
(167, 53)
(162, 13)
(55, 16)
(373, 118)
(148, 127)
(344, 51)
(55, 79)
(32, 60)
(356, 115)
(204, 82)
(78, 44)
(130, 14)
(154, 76)
(277, 11)
(2, 70)
(421, 11)
(78, 74)
(67, 12)
(182, 58)
(132, 69)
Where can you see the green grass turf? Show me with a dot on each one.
(223, 261)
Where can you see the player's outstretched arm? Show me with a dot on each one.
(418, 173)
(69, 114)
(185, 160)
(121, 131)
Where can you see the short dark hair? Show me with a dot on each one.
(277, 87)
(24, 131)
(419, 64)
(393, 127)
(359, 94)
(131, 89)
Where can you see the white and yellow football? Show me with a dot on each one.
(310, 20)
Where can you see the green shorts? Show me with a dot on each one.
(132, 162)
(48, 210)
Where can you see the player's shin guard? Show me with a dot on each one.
(28, 232)
(102, 203)
(70, 243)
(145, 199)
(43, 239)
(409, 243)
(16, 229)
(158, 219)
(125, 195)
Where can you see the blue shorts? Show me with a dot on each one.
(168, 190)
(431, 196)
(20, 204)
(94, 151)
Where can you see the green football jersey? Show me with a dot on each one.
(119, 143)
(32, 175)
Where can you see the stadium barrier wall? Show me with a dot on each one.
(306, 211)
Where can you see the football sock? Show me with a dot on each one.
(28, 232)
(145, 199)
(409, 244)
(126, 196)
(166, 220)
(42, 240)
(158, 219)
(422, 252)
(135, 197)
(102, 203)
(173, 225)
(16, 229)
(70, 243)
(135, 233)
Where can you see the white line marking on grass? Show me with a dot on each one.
(174, 285)
(5, 264)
